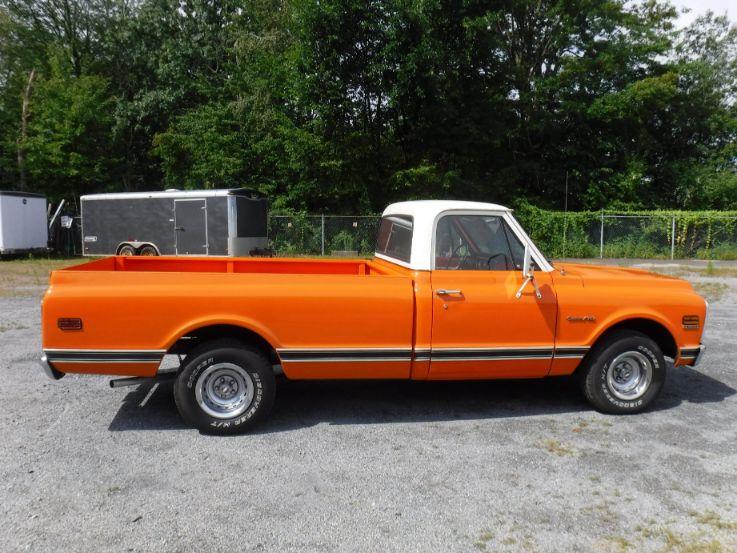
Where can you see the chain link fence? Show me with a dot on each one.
(583, 235)
(574, 235)
(641, 236)
(322, 234)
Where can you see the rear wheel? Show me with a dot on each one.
(127, 250)
(225, 387)
(148, 251)
(624, 373)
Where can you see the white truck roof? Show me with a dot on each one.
(425, 214)
(434, 207)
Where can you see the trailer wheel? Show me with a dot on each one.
(127, 250)
(148, 251)
(225, 387)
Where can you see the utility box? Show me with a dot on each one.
(23, 223)
(229, 222)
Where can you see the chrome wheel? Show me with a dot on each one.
(224, 390)
(629, 375)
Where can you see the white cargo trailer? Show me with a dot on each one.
(23, 223)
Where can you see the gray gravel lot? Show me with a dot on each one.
(498, 466)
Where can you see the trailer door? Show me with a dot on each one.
(190, 224)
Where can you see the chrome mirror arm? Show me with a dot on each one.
(529, 279)
(528, 272)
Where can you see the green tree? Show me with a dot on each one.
(345, 105)
(68, 137)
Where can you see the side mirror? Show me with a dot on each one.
(528, 273)
(527, 263)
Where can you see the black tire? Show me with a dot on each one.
(148, 251)
(127, 250)
(227, 361)
(634, 349)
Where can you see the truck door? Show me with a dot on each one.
(480, 329)
(190, 225)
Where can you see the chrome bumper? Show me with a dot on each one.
(692, 356)
(50, 371)
(697, 360)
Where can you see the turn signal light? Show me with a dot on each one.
(70, 324)
(691, 322)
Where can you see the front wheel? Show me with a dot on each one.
(225, 387)
(624, 373)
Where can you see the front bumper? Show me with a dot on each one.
(692, 356)
(50, 371)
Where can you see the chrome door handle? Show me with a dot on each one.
(444, 292)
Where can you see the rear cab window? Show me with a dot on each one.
(395, 237)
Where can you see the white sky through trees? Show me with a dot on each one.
(699, 7)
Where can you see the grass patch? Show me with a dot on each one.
(484, 538)
(690, 544)
(5, 327)
(17, 274)
(672, 542)
(714, 520)
(620, 542)
(711, 290)
(557, 448)
(581, 425)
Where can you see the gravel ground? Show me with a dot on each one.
(498, 466)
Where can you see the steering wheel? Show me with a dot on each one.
(453, 255)
(500, 254)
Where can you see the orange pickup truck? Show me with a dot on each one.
(456, 290)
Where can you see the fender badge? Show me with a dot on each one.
(581, 319)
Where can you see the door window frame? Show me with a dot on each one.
(541, 263)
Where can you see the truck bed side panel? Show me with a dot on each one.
(322, 325)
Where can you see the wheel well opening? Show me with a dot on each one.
(192, 339)
(654, 330)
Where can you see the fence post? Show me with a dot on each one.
(673, 238)
(322, 234)
(601, 237)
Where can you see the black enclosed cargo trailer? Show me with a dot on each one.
(175, 222)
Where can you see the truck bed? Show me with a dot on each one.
(296, 266)
(145, 306)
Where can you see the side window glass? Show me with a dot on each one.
(476, 243)
(518, 249)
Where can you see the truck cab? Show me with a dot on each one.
(455, 291)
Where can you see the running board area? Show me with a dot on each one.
(136, 380)
(166, 375)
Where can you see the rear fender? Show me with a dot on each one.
(243, 322)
